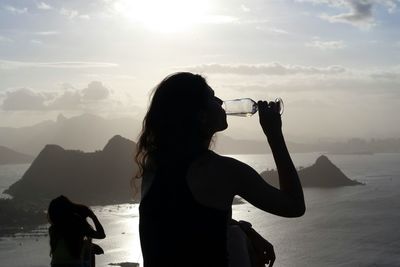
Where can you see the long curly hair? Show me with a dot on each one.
(172, 128)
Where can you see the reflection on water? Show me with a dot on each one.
(347, 226)
(121, 244)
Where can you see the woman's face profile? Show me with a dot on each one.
(215, 117)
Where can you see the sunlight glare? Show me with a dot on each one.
(164, 16)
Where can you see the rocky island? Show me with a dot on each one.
(95, 178)
(323, 173)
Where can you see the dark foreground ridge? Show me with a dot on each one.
(19, 217)
(323, 173)
(96, 178)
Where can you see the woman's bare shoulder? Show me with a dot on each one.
(224, 165)
(227, 161)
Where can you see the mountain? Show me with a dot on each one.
(89, 132)
(86, 132)
(323, 173)
(9, 156)
(94, 178)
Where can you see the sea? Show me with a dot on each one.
(344, 226)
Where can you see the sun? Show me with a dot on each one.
(164, 15)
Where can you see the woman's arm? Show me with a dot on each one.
(99, 232)
(271, 124)
(289, 182)
(288, 201)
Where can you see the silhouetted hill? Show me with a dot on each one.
(95, 178)
(323, 173)
(8, 156)
(16, 217)
(86, 132)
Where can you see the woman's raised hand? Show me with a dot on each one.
(270, 119)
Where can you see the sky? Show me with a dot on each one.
(335, 64)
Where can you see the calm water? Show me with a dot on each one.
(9, 174)
(347, 226)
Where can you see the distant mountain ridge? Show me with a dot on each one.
(323, 173)
(9, 156)
(85, 132)
(95, 178)
(89, 132)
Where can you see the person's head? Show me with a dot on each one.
(59, 210)
(183, 116)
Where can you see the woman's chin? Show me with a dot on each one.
(223, 127)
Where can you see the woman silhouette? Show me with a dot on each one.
(71, 235)
(187, 190)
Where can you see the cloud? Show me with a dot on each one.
(265, 69)
(66, 86)
(244, 8)
(43, 6)
(372, 82)
(95, 92)
(84, 16)
(279, 31)
(70, 99)
(23, 99)
(326, 45)
(96, 76)
(72, 13)
(46, 33)
(4, 39)
(36, 42)
(359, 12)
(15, 10)
(7, 64)
(386, 75)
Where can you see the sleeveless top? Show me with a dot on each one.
(176, 230)
(61, 257)
(72, 231)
